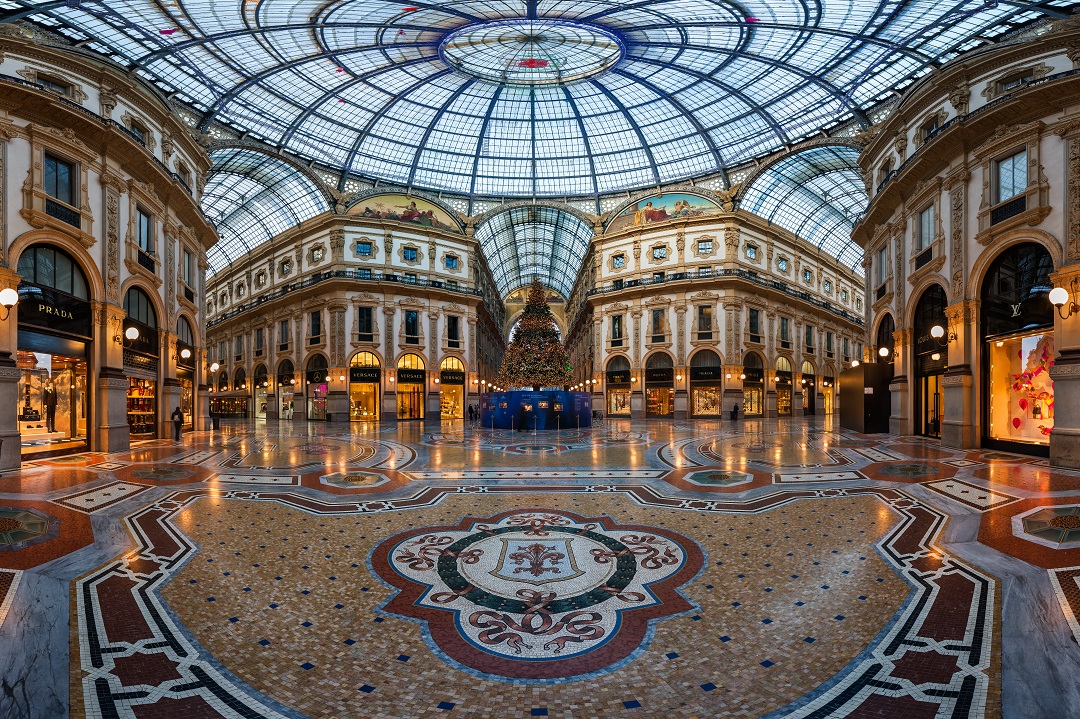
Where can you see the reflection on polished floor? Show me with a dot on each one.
(779, 568)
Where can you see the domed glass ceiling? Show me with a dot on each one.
(534, 98)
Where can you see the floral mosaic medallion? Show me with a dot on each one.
(907, 470)
(163, 473)
(353, 479)
(539, 594)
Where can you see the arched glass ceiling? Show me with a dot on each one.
(526, 98)
(251, 197)
(526, 242)
(816, 194)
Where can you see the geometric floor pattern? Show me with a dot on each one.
(780, 568)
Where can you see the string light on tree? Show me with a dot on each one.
(536, 357)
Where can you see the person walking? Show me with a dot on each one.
(735, 413)
(178, 422)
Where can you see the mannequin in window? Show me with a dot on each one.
(48, 402)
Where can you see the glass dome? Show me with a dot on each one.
(529, 98)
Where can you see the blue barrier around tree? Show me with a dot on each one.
(539, 411)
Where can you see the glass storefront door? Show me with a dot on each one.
(316, 408)
(618, 402)
(1021, 393)
(452, 401)
(286, 408)
(659, 401)
(783, 400)
(364, 401)
(187, 403)
(410, 401)
(705, 401)
(51, 410)
(753, 395)
(930, 405)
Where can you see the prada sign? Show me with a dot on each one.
(704, 374)
(618, 376)
(46, 308)
(754, 374)
(660, 374)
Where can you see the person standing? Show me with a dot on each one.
(48, 398)
(178, 423)
(735, 413)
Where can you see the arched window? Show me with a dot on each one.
(139, 308)
(259, 376)
(452, 363)
(183, 331)
(316, 362)
(752, 360)
(364, 359)
(807, 368)
(660, 360)
(930, 311)
(240, 380)
(48, 266)
(783, 364)
(705, 358)
(223, 381)
(1015, 292)
(618, 363)
(884, 338)
(411, 361)
(286, 373)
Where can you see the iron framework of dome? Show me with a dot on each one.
(529, 99)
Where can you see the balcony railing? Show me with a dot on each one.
(62, 212)
(923, 258)
(365, 275)
(1012, 208)
(147, 261)
(757, 279)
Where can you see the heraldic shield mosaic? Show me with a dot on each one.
(537, 594)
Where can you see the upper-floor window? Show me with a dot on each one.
(410, 278)
(751, 252)
(260, 278)
(187, 268)
(59, 179)
(659, 253)
(139, 131)
(185, 176)
(618, 261)
(843, 295)
(184, 332)
(809, 331)
(239, 347)
(317, 254)
(858, 303)
(829, 342)
(221, 351)
(885, 171)
(785, 329)
(827, 286)
(617, 327)
(704, 322)
(754, 320)
(144, 230)
(453, 331)
(240, 290)
(412, 327)
(658, 276)
(1012, 176)
(929, 130)
(807, 276)
(410, 254)
(782, 264)
(60, 88)
(363, 273)
(364, 324)
(704, 247)
(1014, 81)
(847, 349)
(316, 325)
(451, 262)
(259, 339)
(285, 268)
(882, 264)
(283, 335)
(926, 228)
(658, 325)
(363, 249)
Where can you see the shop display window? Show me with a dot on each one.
(706, 401)
(752, 400)
(364, 401)
(1021, 391)
(618, 402)
(659, 401)
(187, 402)
(287, 397)
(452, 401)
(231, 407)
(783, 401)
(142, 408)
(410, 401)
(51, 408)
(317, 402)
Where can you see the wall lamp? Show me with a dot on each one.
(1059, 297)
(214, 367)
(855, 363)
(130, 334)
(8, 299)
(883, 351)
(938, 333)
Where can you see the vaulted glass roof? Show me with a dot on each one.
(526, 242)
(252, 197)
(817, 194)
(529, 98)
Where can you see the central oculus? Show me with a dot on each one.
(531, 52)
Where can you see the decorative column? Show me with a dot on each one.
(10, 437)
(337, 399)
(637, 390)
(389, 402)
(899, 419)
(958, 426)
(433, 412)
(1065, 436)
(170, 385)
(201, 408)
(681, 397)
(112, 433)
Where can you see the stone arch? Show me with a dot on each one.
(918, 292)
(152, 293)
(1019, 236)
(90, 269)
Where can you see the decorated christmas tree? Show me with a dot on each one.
(536, 357)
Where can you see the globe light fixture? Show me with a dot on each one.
(131, 333)
(854, 363)
(214, 367)
(1059, 297)
(185, 353)
(8, 298)
(883, 351)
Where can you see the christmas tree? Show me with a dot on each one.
(536, 357)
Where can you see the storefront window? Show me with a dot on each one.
(618, 401)
(317, 388)
(706, 401)
(452, 388)
(142, 408)
(364, 383)
(411, 378)
(1021, 391)
(286, 385)
(752, 396)
(52, 401)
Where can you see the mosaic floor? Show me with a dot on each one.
(766, 569)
